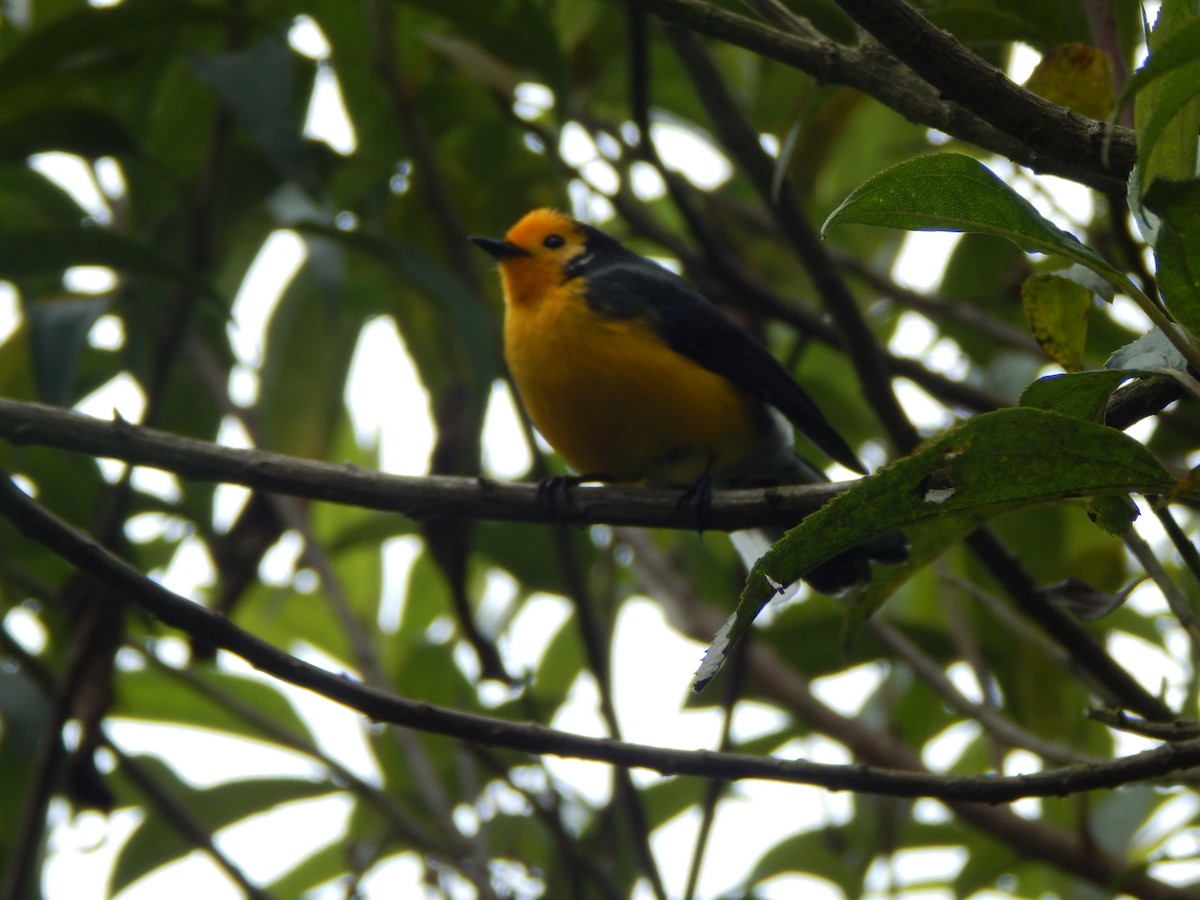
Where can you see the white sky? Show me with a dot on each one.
(648, 698)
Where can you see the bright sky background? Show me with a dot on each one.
(648, 699)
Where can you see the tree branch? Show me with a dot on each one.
(77, 548)
(1049, 130)
(876, 73)
(180, 818)
(781, 684)
(417, 498)
(1113, 682)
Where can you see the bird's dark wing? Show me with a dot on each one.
(631, 287)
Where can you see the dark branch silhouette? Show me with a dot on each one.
(415, 497)
(38, 524)
(1075, 150)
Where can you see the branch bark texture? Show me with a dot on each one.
(1062, 143)
(91, 558)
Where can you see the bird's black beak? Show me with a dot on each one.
(498, 249)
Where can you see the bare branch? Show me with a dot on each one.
(1107, 677)
(961, 76)
(89, 557)
(417, 498)
(181, 819)
(783, 685)
(875, 72)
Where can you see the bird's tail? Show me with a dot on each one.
(850, 569)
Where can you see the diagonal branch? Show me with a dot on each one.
(77, 548)
(176, 814)
(963, 77)
(875, 72)
(783, 685)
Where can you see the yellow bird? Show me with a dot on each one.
(633, 376)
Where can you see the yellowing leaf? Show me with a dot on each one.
(1056, 310)
(1078, 77)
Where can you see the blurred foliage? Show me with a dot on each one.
(378, 135)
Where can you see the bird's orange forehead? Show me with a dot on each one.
(536, 226)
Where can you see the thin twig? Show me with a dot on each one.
(1176, 599)
(396, 816)
(179, 818)
(597, 647)
(992, 722)
(780, 682)
(716, 787)
(1117, 685)
(1183, 545)
(545, 810)
(782, 17)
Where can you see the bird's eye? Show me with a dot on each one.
(554, 241)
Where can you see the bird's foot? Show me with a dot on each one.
(698, 495)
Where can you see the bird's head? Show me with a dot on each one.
(540, 252)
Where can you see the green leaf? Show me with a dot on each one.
(156, 842)
(976, 23)
(1152, 352)
(103, 36)
(320, 868)
(59, 330)
(476, 62)
(258, 84)
(1167, 110)
(1056, 309)
(1120, 822)
(1181, 49)
(25, 713)
(994, 463)
(464, 323)
(51, 251)
(517, 31)
(821, 852)
(1177, 250)
(1167, 131)
(148, 694)
(1114, 515)
(952, 192)
(29, 202)
(1078, 77)
(232, 801)
(69, 129)
(300, 406)
(1083, 395)
(561, 663)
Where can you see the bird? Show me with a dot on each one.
(633, 376)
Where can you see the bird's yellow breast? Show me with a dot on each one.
(614, 399)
